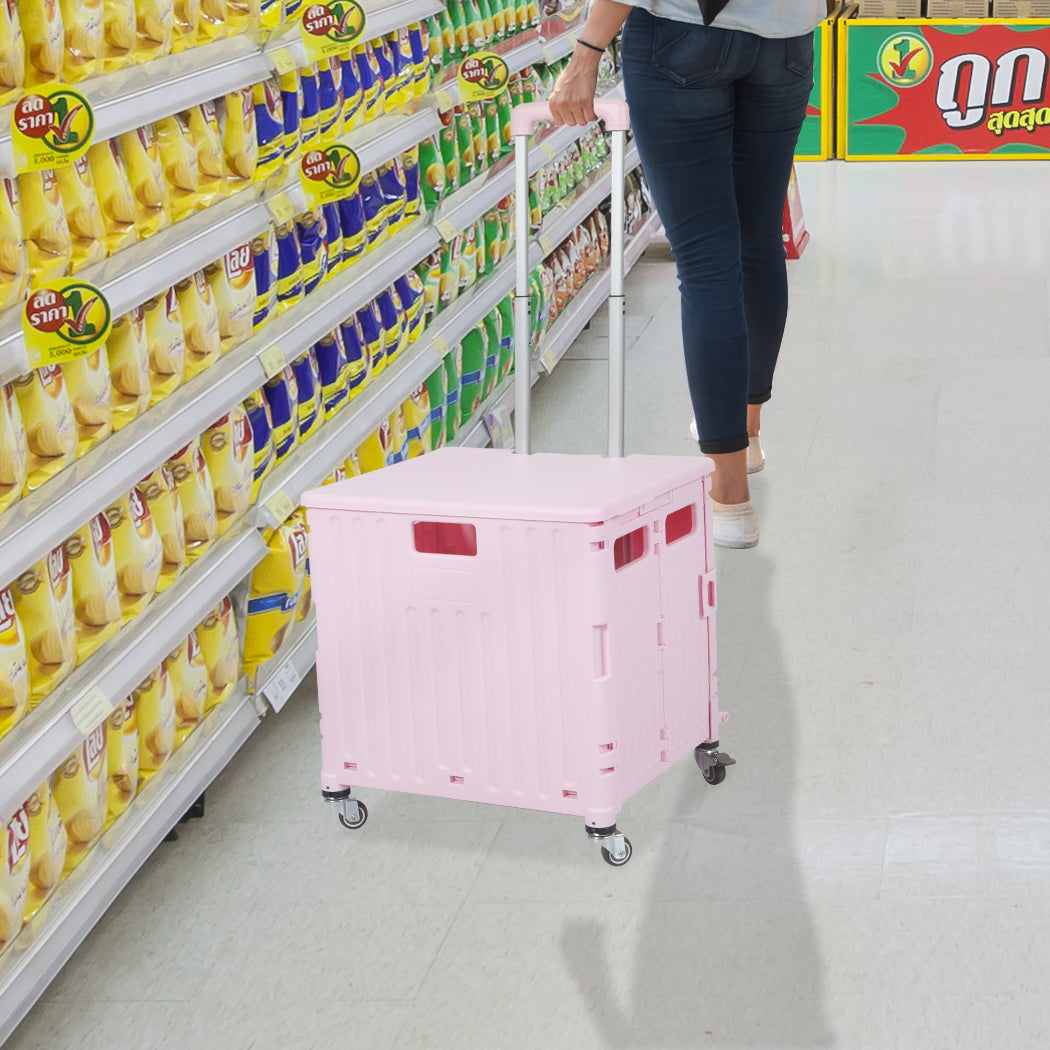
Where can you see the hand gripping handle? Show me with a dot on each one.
(612, 110)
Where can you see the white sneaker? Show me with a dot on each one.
(756, 458)
(735, 524)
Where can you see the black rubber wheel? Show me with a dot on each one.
(715, 774)
(608, 858)
(354, 825)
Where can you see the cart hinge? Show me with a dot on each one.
(661, 642)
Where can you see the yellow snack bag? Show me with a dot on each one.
(276, 587)
(85, 39)
(203, 124)
(12, 53)
(156, 28)
(187, 22)
(82, 795)
(178, 154)
(265, 264)
(14, 877)
(200, 323)
(87, 228)
(155, 714)
(115, 196)
(51, 429)
(14, 259)
(217, 634)
(128, 351)
(96, 601)
(261, 422)
(162, 498)
(214, 23)
(44, 607)
(47, 846)
(139, 552)
(14, 666)
(199, 519)
(229, 452)
(240, 146)
(306, 597)
(167, 345)
(120, 32)
(352, 465)
(189, 681)
(45, 43)
(141, 155)
(373, 452)
(122, 754)
(232, 283)
(91, 391)
(14, 452)
(242, 15)
(416, 411)
(44, 226)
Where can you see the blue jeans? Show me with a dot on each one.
(717, 114)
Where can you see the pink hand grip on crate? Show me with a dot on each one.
(613, 111)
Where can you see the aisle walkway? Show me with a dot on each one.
(875, 872)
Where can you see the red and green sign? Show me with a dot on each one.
(943, 91)
(814, 143)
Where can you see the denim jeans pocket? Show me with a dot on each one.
(800, 54)
(690, 54)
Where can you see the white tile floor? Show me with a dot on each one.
(874, 873)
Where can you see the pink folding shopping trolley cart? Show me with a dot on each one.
(534, 631)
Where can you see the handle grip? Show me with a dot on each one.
(613, 111)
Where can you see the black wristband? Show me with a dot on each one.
(600, 50)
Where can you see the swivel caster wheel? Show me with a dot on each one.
(715, 774)
(712, 762)
(610, 859)
(362, 816)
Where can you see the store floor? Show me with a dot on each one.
(875, 871)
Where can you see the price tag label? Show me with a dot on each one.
(446, 228)
(546, 244)
(549, 359)
(328, 172)
(280, 506)
(440, 344)
(482, 76)
(283, 61)
(444, 100)
(331, 27)
(91, 710)
(272, 360)
(281, 208)
(500, 429)
(548, 150)
(63, 321)
(51, 128)
(279, 689)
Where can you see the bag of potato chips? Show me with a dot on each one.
(187, 23)
(167, 345)
(196, 495)
(14, 258)
(51, 429)
(48, 242)
(141, 155)
(282, 396)
(82, 795)
(203, 124)
(162, 498)
(265, 265)
(230, 454)
(155, 714)
(139, 552)
(276, 588)
(232, 283)
(178, 157)
(242, 15)
(214, 23)
(200, 323)
(122, 753)
(261, 423)
(14, 666)
(128, 351)
(91, 392)
(47, 846)
(87, 229)
(240, 145)
(96, 601)
(14, 451)
(156, 27)
(85, 39)
(44, 606)
(269, 124)
(119, 33)
(12, 53)
(217, 635)
(44, 37)
(115, 196)
(14, 877)
(189, 681)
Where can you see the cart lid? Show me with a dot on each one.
(491, 483)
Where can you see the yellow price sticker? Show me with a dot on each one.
(549, 359)
(51, 128)
(482, 75)
(440, 344)
(331, 27)
(91, 710)
(280, 506)
(328, 172)
(63, 321)
(281, 208)
(445, 100)
(546, 244)
(283, 61)
(548, 150)
(272, 360)
(447, 229)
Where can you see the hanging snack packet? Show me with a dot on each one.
(352, 220)
(44, 606)
(329, 98)
(291, 111)
(96, 601)
(308, 394)
(395, 324)
(453, 374)
(333, 373)
(87, 228)
(432, 171)
(145, 170)
(264, 455)
(82, 795)
(269, 126)
(122, 758)
(438, 394)
(265, 258)
(271, 13)
(155, 714)
(506, 341)
(203, 125)
(196, 497)
(376, 227)
(371, 327)
(475, 352)
(186, 24)
(44, 226)
(358, 361)
(119, 32)
(127, 349)
(12, 53)
(429, 274)
(371, 85)
(409, 291)
(391, 180)
(14, 877)
(333, 238)
(353, 93)
(289, 266)
(178, 155)
(156, 26)
(51, 429)
(200, 323)
(492, 325)
(282, 397)
(409, 165)
(214, 22)
(189, 682)
(14, 449)
(310, 229)
(217, 634)
(14, 259)
(47, 846)
(242, 15)
(167, 345)
(115, 196)
(232, 283)
(139, 552)
(229, 452)
(91, 392)
(85, 39)
(373, 451)
(416, 412)
(240, 144)
(276, 588)
(162, 497)
(310, 104)
(44, 41)
(14, 666)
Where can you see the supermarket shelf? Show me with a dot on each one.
(516, 58)
(277, 679)
(385, 138)
(39, 744)
(45, 944)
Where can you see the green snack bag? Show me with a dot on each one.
(499, 21)
(493, 236)
(438, 394)
(432, 172)
(429, 273)
(514, 91)
(453, 372)
(465, 145)
(521, 15)
(481, 142)
(506, 339)
(458, 16)
(472, 384)
(487, 22)
(506, 139)
(449, 286)
(506, 227)
(577, 167)
(493, 137)
(475, 26)
(447, 143)
(528, 85)
(493, 329)
(535, 210)
(510, 16)
(537, 308)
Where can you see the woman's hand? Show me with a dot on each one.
(572, 100)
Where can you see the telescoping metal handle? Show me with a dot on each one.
(524, 118)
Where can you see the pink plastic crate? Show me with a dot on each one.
(532, 631)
